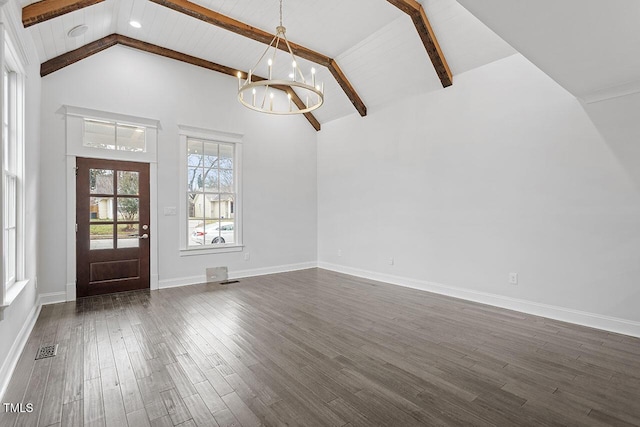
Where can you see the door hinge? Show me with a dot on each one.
(76, 228)
(76, 169)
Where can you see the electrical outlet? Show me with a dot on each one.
(247, 256)
(391, 261)
(513, 278)
(339, 252)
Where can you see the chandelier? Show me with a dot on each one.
(259, 94)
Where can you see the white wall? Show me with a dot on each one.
(279, 160)
(18, 316)
(502, 172)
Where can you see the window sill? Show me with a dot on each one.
(11, 295)
(207, 251)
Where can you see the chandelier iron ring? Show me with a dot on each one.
(248, 88)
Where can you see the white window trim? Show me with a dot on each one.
(186, 132)
(74, 133)
(75, 117)
(13, 59)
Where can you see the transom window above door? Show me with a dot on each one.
(106, 135)
(114, 136)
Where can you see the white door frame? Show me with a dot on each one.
(74, 119)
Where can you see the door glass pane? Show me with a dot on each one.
(128, 182)
(101, 181)
(101, 208)
(100, 134)
(101, 236)
(131, 138)
(128, 208)
(128, 235)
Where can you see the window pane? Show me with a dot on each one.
(101, 181)
(100, 134)
(10, 256)
(194, 153)
(210, 155)
(128, 208)
(226, 156)
(101, 208)
(227, 207)
(10, 201)
(212, 181)
(131, 138)
(196, 232)
(195, 179)
(128, 182)
(128, 236)
(226, 181)
(101, 236)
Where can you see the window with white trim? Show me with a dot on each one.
(112, 135)
(12, 170)
(211, 183)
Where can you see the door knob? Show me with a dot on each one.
(144, 236)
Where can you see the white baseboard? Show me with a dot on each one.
(6, 371)
(193, 280)
(71, 291)
(592, 320)
(52, 298)
(272, 270)
(181, 281)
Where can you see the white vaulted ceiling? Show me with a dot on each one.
(375, 44)
(590, 47)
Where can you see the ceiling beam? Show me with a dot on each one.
(48, 9)
(76, 55)
(214, 18)
(429, 40)
(92, 48)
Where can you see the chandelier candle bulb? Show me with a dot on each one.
(254, 97)
(270, 63)
(239, 80)
(313, 76)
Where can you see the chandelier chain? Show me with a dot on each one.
(281, 13)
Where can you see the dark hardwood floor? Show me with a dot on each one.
(316, 348)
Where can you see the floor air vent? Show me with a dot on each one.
(47, 351)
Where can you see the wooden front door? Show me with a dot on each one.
(112, 217)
